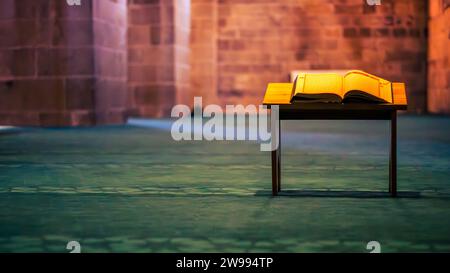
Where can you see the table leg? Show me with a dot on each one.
(275, 136)
(274, 173)
(393, 156)
(279, 156)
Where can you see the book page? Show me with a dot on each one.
(322, 83)
(361, 82)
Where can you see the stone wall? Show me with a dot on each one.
(261, 41)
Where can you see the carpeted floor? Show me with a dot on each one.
(134, 189)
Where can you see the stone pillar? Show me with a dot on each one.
(203, 44)
(62, 65)
(46, 63)
(110, 58)
(439, 57)
(158, 53)
(182, 50)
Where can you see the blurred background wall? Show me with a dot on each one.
(260, 42)
(106, 60)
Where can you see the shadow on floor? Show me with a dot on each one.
(341, 193)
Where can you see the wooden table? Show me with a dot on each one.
(279, 94)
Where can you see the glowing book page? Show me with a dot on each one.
(324, 87)
(359, 84)
(329, 83)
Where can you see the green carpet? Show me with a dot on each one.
(131, 189)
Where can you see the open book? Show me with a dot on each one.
(354, 86)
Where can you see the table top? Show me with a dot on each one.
(280, 94)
